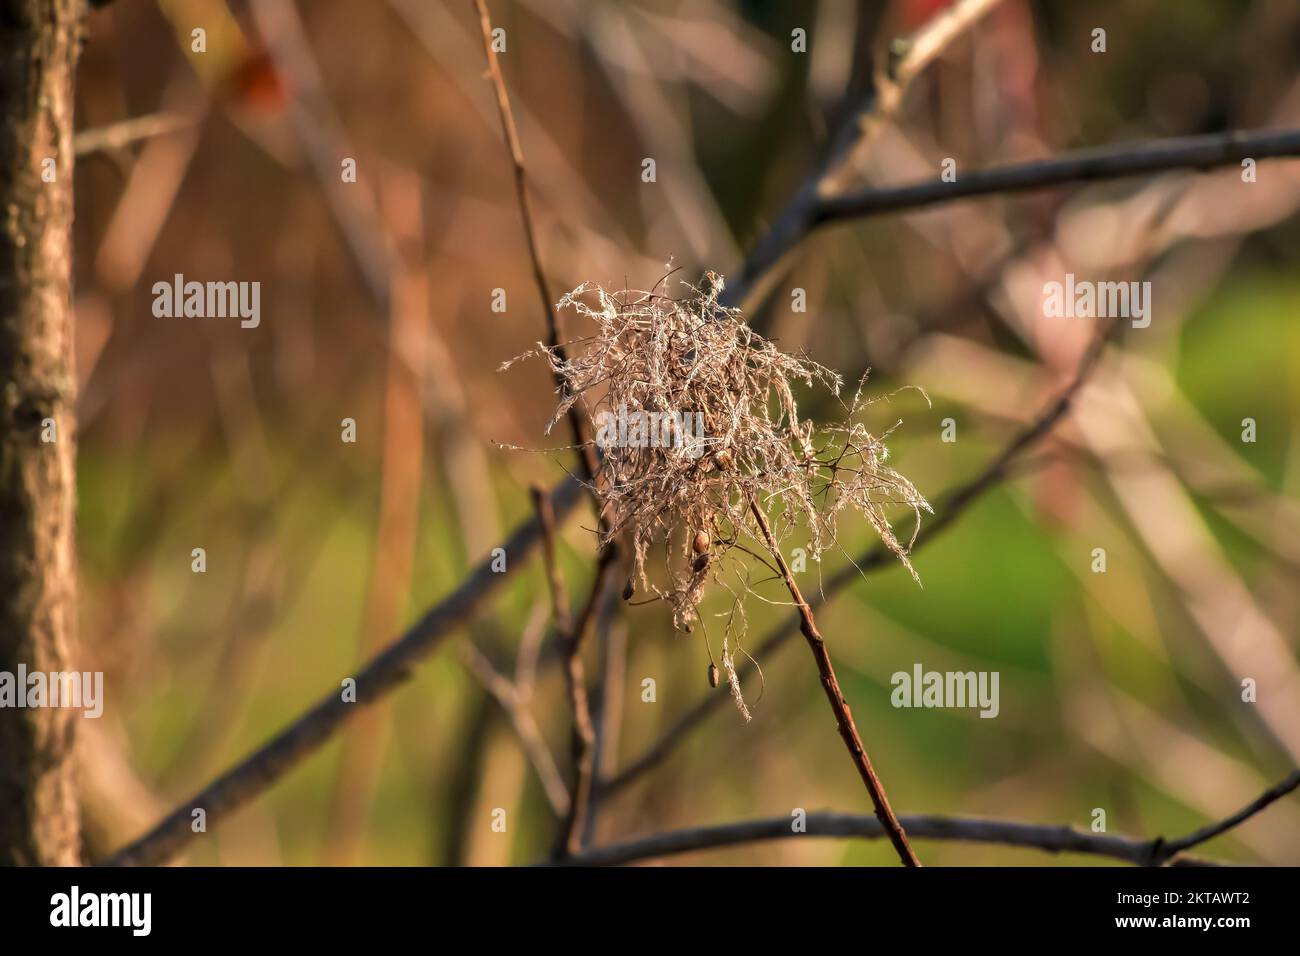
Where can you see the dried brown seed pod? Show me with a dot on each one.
(701, 563)
(723, 460)
(701, 542)
(713, 675)
(628, 590)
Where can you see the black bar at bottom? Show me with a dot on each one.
(334, 906)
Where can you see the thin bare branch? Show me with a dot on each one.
(611, 634)
(560, 614)
(123, 133)
(569, 836)
(1109, 162)
(577, 421)
(1207, 833)
(843, 715)
(1052, 839)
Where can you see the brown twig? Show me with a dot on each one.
(560, 614)
(843, 715)
(570, 835)
(569, 635)
(570, 832)
(577, 421)
(1052, 839)
(611, 634)
(583, 735)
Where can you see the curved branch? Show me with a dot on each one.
(1090, 165)
(1052, 839)
(1206, 833)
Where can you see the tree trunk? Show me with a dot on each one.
(39, 41)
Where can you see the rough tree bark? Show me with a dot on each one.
(39, 41)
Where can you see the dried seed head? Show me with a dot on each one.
(713, 675)
(702, 387)
(629, 589)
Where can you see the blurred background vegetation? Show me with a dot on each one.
(1119, 690)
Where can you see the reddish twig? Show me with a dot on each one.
(843, 716)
